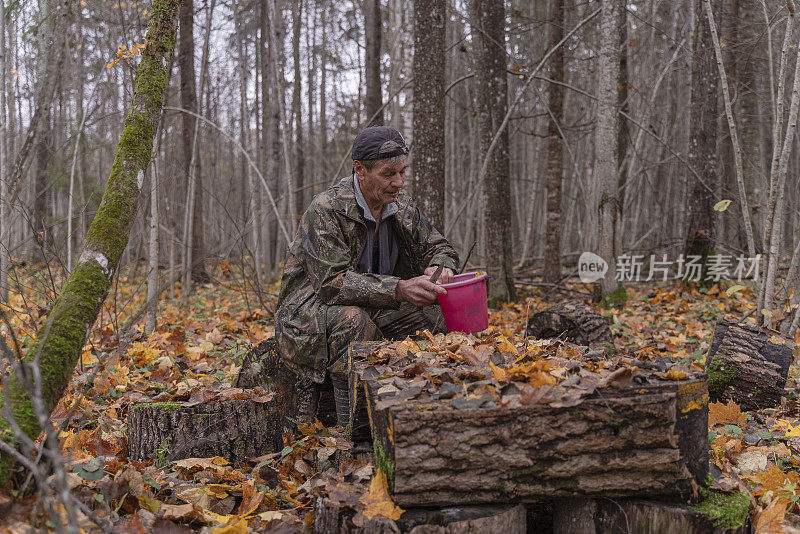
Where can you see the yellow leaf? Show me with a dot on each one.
(377, 500)
(237, 527)
(793, 431)
(733, 289)
(500, 374)
(674, 374)
(504, 345)
(722, 205)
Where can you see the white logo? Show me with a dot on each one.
(591, 267)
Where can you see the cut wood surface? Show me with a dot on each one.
(572, 321)
(748, 365)
(649, 517)
(234, 429)
(332, 517)
(634, 441)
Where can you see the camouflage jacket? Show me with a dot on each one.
(320, 271)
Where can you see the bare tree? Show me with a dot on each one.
(372, 60)
(487, 19)
(428, 118)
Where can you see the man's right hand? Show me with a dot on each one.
(419, 291)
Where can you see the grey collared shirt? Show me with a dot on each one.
(386, 246)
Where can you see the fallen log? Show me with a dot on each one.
(640, 440)
(233, 429)
(575, 322)
(263, 366)
(333, 517)
(748, 365)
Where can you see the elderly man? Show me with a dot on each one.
(359, 268)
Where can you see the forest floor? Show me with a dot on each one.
(195, 354)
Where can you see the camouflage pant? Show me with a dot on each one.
(345, 324)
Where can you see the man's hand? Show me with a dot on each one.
(445, 277)
(418, 291)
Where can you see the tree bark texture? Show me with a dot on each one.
(58, 345)
(645, 440)
(703, 138)
(606, 160)
(429, 107)
(297, 108)
(235, 430)
(748, 365)
(372, 61)
(575, 322)
(650, 517)
(188, 89)
(555, 147)
(333, 517)
(491, 96)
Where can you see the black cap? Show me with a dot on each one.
(378, 142)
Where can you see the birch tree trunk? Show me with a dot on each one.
(430, 18)
(487, 17)
(606, 130)
(58, 345)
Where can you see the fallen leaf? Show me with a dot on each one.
(377, 500)
(769, 520)
(719, 414)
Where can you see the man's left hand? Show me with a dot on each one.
(445, 277)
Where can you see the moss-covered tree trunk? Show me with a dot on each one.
(59, 343)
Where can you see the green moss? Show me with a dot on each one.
(348, 430)
(728, 511)
(166, 406)
(718, 376)
(531, 470)
(615, 299)
(384, 463)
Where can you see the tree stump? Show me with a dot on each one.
(234, 429)
(575, 322)
(332, 517)
(648, 517)
(263, 366)
(748, 365)
(634, 441)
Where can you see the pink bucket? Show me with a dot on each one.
(464, 307)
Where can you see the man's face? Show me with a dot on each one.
(383, 182)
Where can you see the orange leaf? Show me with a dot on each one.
(719, 414)
(377, 500)
(769, 520)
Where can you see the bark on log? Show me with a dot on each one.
(648, 517)
(572, 321)
(332, 517)
(235, 430)
(58, 345)
(639, 441)
(263, 366)
(748, 365)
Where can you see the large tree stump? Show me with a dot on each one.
(635, 441)
(263, 366)
(748, 365)
(575, 322)
(332, 517)
(233, 429)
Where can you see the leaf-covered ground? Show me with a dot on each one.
(195, 354)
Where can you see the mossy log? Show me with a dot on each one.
(748, 365)
(263, 366)
(640, 441)
(728, 515)
(234, 429)
(58, 345)
(575, 322)
(332, 517)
